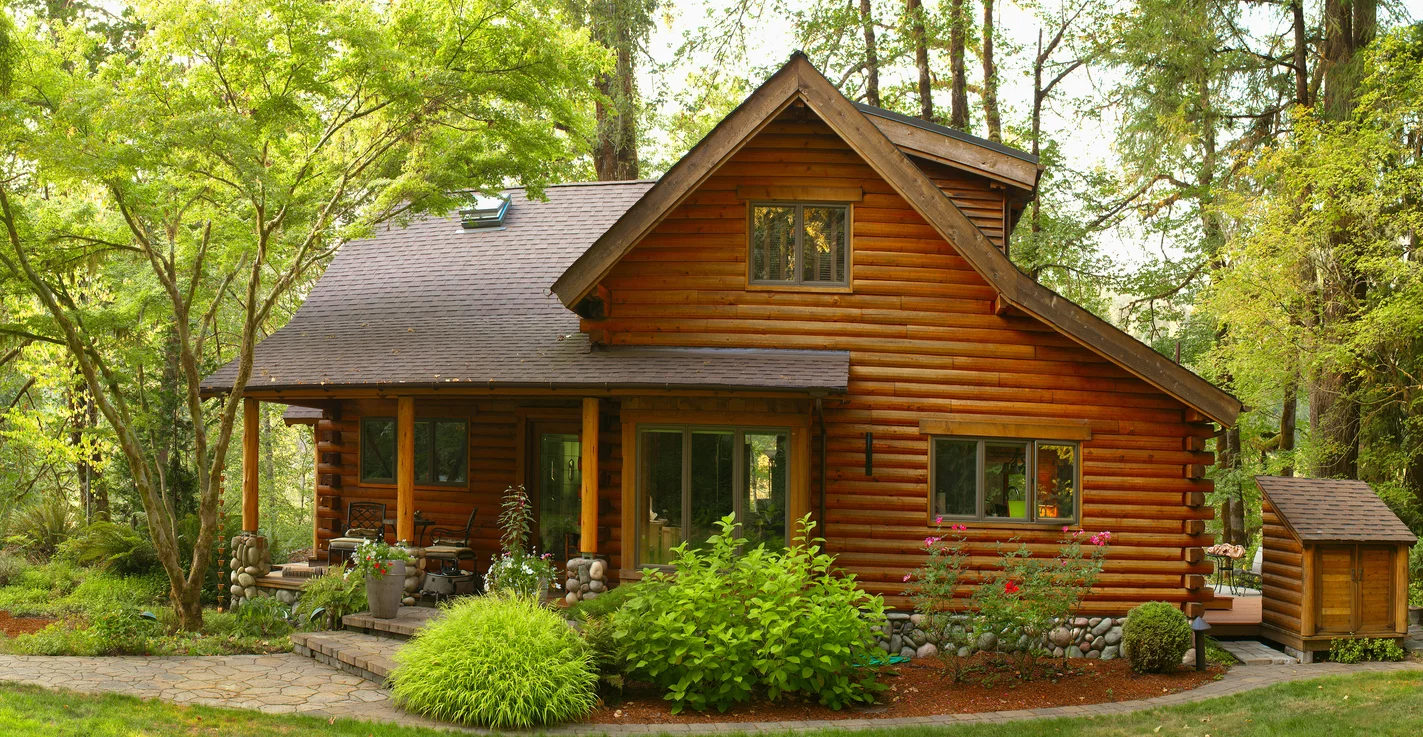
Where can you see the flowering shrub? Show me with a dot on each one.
(1015, 606)
(736, 621)
(373, 558)
(516, 570)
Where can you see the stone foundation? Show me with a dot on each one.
(587, 579)
(1084, 637)
(251, 560)
(414, 574)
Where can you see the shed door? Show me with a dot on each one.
(1336, 588)
(1375, 588)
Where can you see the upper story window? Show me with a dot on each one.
(794, 243)
(441, 451)
(1004, 480)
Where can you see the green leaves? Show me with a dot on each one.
(733, 623)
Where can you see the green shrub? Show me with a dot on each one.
(1156, 637)
(113, 630)
(603, 605)
(736, 622)
(1365, 648)
(329, 597)
(113, 547)
(39, 528)
(498, 661)
(609, 657)
(11, 567)
(264, 616)
(41, 590)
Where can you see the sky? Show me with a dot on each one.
(1085, 139)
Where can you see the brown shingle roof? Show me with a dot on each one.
(435, 304)
(1333, 510)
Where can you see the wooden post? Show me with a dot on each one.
(588, 543)
(315, 492)
(798, 499)
(405, 470)
(251, 412)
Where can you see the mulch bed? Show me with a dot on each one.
(918, 689)
(12, 626)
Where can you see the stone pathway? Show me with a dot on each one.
(291, 683)
(1253, 652)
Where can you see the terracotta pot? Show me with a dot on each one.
(383, 593)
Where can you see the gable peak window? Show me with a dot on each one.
(799, 243)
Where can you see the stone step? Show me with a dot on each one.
(368, 656)
(1252, 652)
(1414, 641)
(403, 627)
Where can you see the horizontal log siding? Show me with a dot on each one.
(1281, 574)
(924, 341)
(493, 452)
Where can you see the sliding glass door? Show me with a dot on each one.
(689, 477)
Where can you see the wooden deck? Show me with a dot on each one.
(1242, 619)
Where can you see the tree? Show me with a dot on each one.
(867, 23)
(990, 78)
(919, 38)
(213, 172)
(958, 79)
(623, 26)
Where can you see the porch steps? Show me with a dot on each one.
(409, 619)
(1252, 652)
(369, 656)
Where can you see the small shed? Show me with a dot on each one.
(1335, 564)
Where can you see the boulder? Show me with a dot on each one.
(1074, 652)
(591, 595)
(987, 641)
(596, 586)
(1093, 655)
(1189, 658)
(236, 591)
(926, 651)
(895, 643)
(571, 598)
(1102, 627)
(1113, 636)
(1110, 652)
(246, 579)
(1061, 637)
(964, 652)
(1098, 643)
(597, 569)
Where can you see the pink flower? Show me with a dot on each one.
(961, 528)
(906, 578)
(1064, 528)
(928, 541)
(939, 520)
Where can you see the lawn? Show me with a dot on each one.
(1368, 703)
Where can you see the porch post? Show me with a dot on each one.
(405, 470)
(798, 499)
(588, 544)
(316, 489)
(250, 458)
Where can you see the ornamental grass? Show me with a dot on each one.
(498, 661)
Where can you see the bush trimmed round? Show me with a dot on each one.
(1155, 637)
(498, 661)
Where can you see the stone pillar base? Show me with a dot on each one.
(251, 559)
(586, 579)
(414, 574)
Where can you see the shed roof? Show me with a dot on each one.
(435, 304)
(1333, 510)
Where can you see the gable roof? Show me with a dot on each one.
(800, 80)
(955, 148)
(1333, 510)
(437, 305)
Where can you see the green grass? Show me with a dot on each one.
(1363, 704)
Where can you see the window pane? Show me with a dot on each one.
(1005, 480)
(422, 452)
(764, 505)
(451, 448)
(773, 244)
(660, 518)
(559, 484)
(823, 246)
(1056, 481)
(378, 450)
(955, 477)
(711, 480)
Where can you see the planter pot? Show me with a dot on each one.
(384, 593)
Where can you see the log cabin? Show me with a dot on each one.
(811, 313)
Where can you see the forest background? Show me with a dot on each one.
(1235, 182)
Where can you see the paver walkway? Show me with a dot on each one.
(292, 683)
(1254, 652)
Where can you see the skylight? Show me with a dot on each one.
(487, 212)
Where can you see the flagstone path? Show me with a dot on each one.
(290, 683)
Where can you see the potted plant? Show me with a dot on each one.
(516, 569)
(383, 567)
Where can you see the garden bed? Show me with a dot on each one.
(12, 626)
(914, 690)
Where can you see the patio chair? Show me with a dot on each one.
(450, 546)
(364, 521)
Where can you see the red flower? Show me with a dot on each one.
(1010, 587)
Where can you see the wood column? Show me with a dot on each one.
(251, 460)
(405, 470)
(316, 491)
(588, 446)
(798, 495)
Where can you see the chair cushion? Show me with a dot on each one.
(362, 532)
(346, 542)
(449, 552)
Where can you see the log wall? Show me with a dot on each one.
(1285, 596)
(925, 341)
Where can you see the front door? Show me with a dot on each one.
(558, 481)
(1336, 588)
(1355, 589)
(1375, 588)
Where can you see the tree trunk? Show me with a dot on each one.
(867, 21)
(1301, 53)
(958, 84)
(1349, 26)
(990, 78)
(1334, 422)
(1288, 415)
(914, 13)
(1237, 501)
(1224, 463)
(615, 149)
